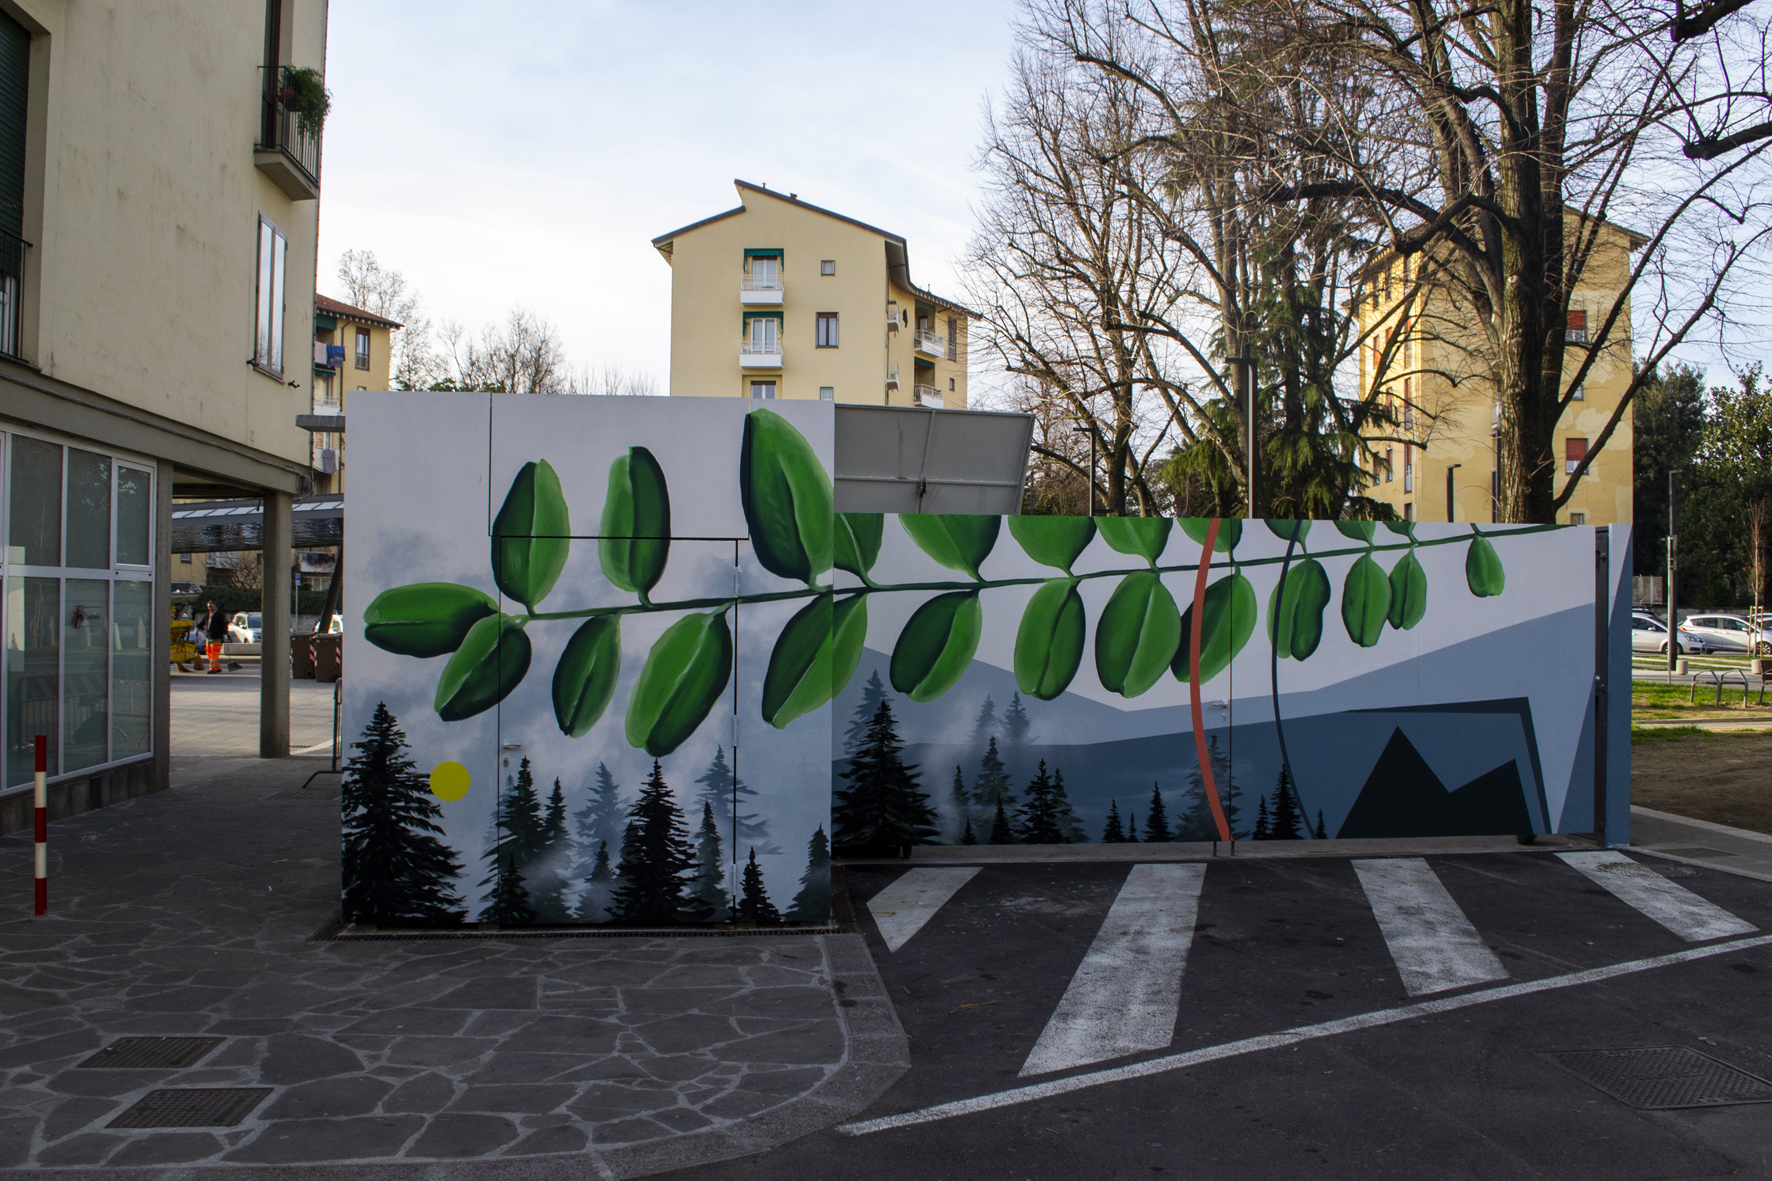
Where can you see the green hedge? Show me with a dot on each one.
(235, 598)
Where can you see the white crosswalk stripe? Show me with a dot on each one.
(1124, 997)
(901, 909)
(1687, 915)
(1434, 945)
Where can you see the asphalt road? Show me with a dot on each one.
(1388, 1090)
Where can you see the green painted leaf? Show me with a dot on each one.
(959, 541)
(1230, 532)
(1049, 642)
(787, 498)
(1289, 530)
(1482, 569)
(425, 618)
(1408, 592)
(1142, 537)
(1053, 541)
(1137, 634)
(584, 680)
(815, 655)
(491, 661)
(936, 646)
(1365, 601)
(1295, 624)
(1358, 530)
(684, 675)
(1227, 620)
(1401, 528)
(856, 541)
(531, 535)
(636, 526)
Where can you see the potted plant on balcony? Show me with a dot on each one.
(305, 93)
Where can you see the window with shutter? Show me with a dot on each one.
(1574, 451)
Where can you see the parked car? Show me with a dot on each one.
(1728, 633)
(246, 628)
(1649, 634)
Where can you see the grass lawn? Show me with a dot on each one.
(1652, 702)
(1724, 777)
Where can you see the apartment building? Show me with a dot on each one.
(1424, 352)
(159, 185)
(351, 352)
(779, 298)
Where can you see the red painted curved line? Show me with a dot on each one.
(1193, 684)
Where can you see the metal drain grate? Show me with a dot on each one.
(1656, 1078)
(192, 1107)
(143, 1053)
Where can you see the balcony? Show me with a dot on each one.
(933, 345)
(284, 152)
(892, 315)
(926, 396)
(759, 354)
(328, 356)
(892, 375)
(760, 291)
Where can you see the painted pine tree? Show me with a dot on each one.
(992, 782)
(396, 871)
(1320, 834)
(1156, 823)
(1016, 723)
(882, 804)
(1132, 825)
(985, 724)
(1065, 815)
(813, 903)
(969, 837)
(729, 795)
(1113, 833)
(603, 817)
(599, 889)
(959, 807)
(516, 840)
(1001, 831)
(656, 857)
(1037, 818)
(1261, 822)
(1195, 821)
(872, 694)
(753, 904)
(548, 876)
(1285, 822)
(708, 900)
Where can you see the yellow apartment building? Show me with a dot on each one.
(1424, 352)
(352, 350)
(159, 197)
(781, 299)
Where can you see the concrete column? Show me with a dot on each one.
(273, 694)
(163, 631)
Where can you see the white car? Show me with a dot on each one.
(246, 628)
(1728, 633)
(1649, 634)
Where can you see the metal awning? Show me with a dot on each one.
(225, 526)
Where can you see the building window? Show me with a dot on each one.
(273, 255)
(1579, 393)
(1575, 327)
(950, 385)
(1408, 477)
(828, 267)
(827, 393)
(1408, 510)
(1389, 468)
(362, 348)
(1574, 451)
(762, 270)
(953, 338)
(762, 335)
(763, 390)
(827, 330)
(1578, 518)
(79, 629)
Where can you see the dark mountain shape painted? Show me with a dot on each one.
(1404, 798)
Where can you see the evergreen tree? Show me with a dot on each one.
(1015, 723)
(882, 804)
(517, 840)
(708, 902)
(1261, 824)
(655, 855)
(813, 903)
(1156, 824)
(969, 837)
(1001, 833)
(1320, 834)
(1113, 834)
(985, 724)
(1132, 827)
(599, 892)
(959, 800)
(754, 905)
(1068, 824)
(992, 783)
(872, 694)
(603, 817)
(548, 874)
(1285, 822)
(395, 870)
(1037, 820)
(730, 795)
(1196, 822)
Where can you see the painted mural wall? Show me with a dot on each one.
(618, 661)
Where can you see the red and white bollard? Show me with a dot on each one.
(42, 802)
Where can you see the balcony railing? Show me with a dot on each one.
(285, 152)
(928, 342)
(760, 283)
(892, 315)
(892, 375)
(12, 286)
(927, 396)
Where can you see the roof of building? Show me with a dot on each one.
(897, 252)
(337, 307)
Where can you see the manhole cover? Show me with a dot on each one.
(139, 1053)
(192, 1107)
(1656, 1078)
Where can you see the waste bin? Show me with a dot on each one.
(325, 661)
(301, 656)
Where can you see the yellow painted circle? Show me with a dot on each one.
(450, 781)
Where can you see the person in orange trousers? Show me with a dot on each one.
(215, 628)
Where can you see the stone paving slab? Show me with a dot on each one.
(190, 913)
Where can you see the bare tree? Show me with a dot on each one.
(385, 292)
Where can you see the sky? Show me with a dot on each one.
(527, 154)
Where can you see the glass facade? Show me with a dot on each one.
(77, 612)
